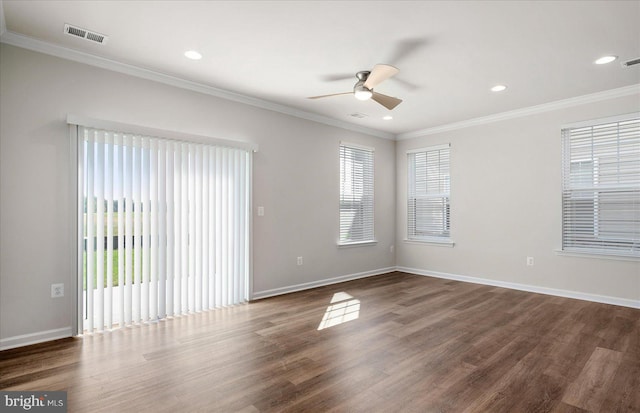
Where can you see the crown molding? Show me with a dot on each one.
(532, 110)
(26, 42)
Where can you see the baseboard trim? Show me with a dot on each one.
(313, 284)
(623, 302)
(34, 338)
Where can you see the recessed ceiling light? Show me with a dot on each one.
(498, 88)
(388, 117)
(193, 55)
(605, 59)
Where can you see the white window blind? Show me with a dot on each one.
(356, 194)
(166, 227)
(428, 194)
(601, 187)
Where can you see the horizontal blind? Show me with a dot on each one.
(428, 193)
(356, 194)
(166, 227)
(601, 188)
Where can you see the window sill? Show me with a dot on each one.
(446, 242)
(597, 255)
(357, 244)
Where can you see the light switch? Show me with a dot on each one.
(260, 211)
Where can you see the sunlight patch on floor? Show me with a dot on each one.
(343, 308)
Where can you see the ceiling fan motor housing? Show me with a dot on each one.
(360, 91)
(363, 75)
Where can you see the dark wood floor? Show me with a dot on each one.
(418, 344)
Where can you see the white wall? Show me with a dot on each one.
(506, 205)
(296, 175)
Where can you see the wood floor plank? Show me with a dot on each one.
(589, 390)
(623, 394)
(567, 408)
(418, 344)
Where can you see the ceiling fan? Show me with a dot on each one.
(367, 80)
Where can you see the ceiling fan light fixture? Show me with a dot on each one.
(363, 95)
(361, 92)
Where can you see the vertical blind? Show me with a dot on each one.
(428, 193)
(601, 187)
(356, 194)
(166, 227)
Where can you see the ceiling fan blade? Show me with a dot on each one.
(386, 101)
(333, 94)
(336, 76)
(405, 48)
(378, 74)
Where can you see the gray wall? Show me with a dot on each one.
(296, 176)
(506, 205)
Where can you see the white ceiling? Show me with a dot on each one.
(449, 53)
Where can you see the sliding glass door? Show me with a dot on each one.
(165, 227)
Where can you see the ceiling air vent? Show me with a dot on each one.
(631, 62)
(85, 34)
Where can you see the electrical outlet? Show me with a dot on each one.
(57, 290)
(530, 261)
(299, 260)
(391, 249)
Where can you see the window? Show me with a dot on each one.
(356, 194)
(601, 187)
(164, 227)
(428, 217)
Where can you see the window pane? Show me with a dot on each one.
(428, 194)
(601, 188)
(356, 194)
